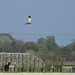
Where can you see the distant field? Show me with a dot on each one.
(37, 73)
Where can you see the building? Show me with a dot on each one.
(68, 66)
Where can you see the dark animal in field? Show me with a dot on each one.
(6, 67)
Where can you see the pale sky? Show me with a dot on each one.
(49, 17)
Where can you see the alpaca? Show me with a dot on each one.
(6, 67)
(11, 67)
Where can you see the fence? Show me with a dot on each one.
(25, 62)
(22, 62)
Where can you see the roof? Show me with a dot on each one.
(69, 63)
(73, 67)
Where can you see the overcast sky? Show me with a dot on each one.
(49, 17)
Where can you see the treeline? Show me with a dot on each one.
(46, 48)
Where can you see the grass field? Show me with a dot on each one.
(37, 73)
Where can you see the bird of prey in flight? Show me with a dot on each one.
(29, 20)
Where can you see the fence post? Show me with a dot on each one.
(30, 69)
(34, 64)
(42, 69)
(27, 69)
(22, 63)
(3, 62)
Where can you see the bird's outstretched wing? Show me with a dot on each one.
(27, 23)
